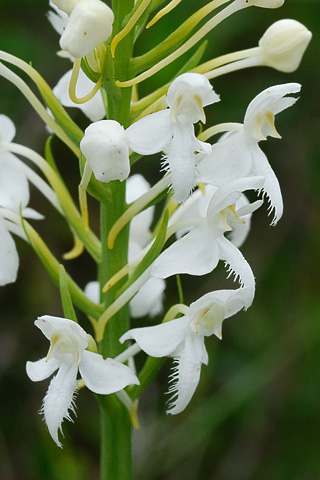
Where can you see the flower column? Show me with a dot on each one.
(115, 422)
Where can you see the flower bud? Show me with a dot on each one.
(284, 44)
(90, 23)
(265, 3)
(106, 147)
(65, 5)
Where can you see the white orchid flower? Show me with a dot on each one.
(106, 147)
(238, 154)
(172, 130)
(183, 339)
(93, 108)
(196, 206)
(68, 355)
(89, 25)
(199, 252)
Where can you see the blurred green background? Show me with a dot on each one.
(255, 414)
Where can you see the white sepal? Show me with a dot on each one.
(106, 147)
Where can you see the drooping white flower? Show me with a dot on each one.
(284, 43)
(106, 147)
(199, 252)
(183, 339)
(89, 25)
(93, 108)
(68, 355)
(172, 130)
(238, 154)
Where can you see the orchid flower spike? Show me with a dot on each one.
(238, 155)
(183, 339)
(106, 147)
(172, 130)
(89, 25)
(283, 44)
(199, 252)
(68, 354)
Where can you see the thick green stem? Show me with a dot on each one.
(115, 422)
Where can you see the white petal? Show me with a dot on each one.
(7, 129)
(186, 375)
(269, 100)
(9, 260)
(194, 207)
(231, 192)
(105, 376)
(140, 224)
(14, 188)
(244, 211)
(42, 368)
(271, 185)
(184, 94)
(195, 254)
(160, 340)
(93, 109)
(30, 213)
(231, 300)
(58, 18)
(237, 265)
(148, 300)
(59, 399)
(49, 324)
(230, 159)
(92, 291)
(105, 146)
(151, 134)
(180, 161)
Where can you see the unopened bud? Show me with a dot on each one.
(284, 44)
(89, 25)
(106, 147)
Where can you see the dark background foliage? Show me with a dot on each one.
(256, 413)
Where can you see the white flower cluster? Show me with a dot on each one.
(228, 168)
(206, 209)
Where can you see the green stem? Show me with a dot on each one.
(115, 421)
(115, 441)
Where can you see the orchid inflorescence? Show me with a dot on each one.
(205, 215)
